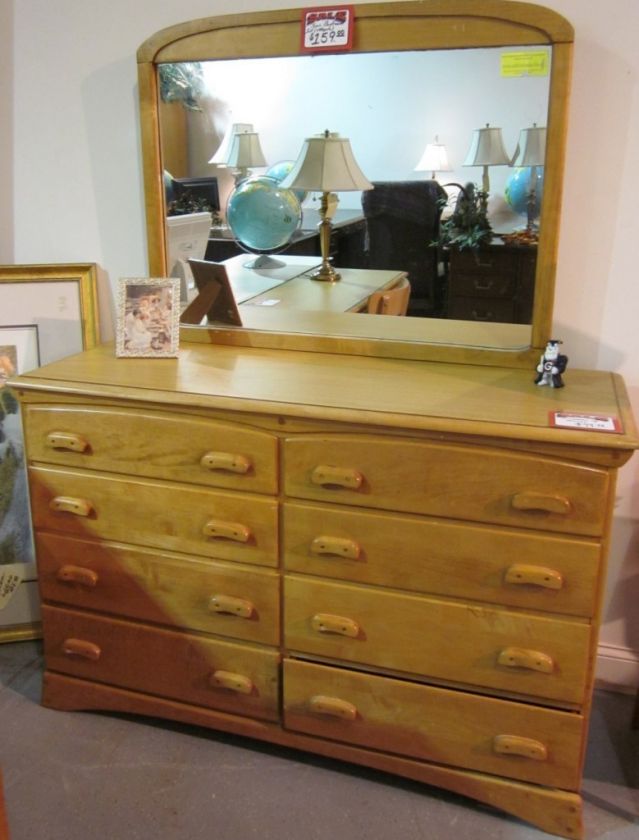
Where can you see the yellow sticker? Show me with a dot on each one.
(525, 63)
(10, 579)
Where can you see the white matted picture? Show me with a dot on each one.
(148, 317)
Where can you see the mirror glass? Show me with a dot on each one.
(415, 75)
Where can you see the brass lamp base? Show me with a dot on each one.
(326, 273)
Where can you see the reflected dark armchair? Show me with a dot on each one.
(402, 219)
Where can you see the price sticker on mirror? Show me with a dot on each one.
(327, 29)
(585, 422)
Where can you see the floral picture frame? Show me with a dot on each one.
(148, 317)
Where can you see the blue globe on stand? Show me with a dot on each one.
(280, 170)
(517, 190)
(262, 216)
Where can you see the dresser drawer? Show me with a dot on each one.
(194, 669)
(229, 526)
(480, 562)
(434, 724)
(485, 284)
(481, 308)
(444, 640)
(462, 482)
(153, 444)
(205, 595)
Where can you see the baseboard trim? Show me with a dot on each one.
(617, 668)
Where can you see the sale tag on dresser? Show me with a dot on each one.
(585, 422)
(327, 29)
(10, 579)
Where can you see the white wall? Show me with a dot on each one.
(78, 190)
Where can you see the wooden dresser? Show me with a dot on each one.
(397, 564)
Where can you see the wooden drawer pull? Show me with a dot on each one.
(522, 573)
(234, 606)
(326, 623)
(534, 660)
(66, 440)
(77, 574)
(336, 546)
(226, 461)
(234, 682)
(517, 745)
(82, 648)
(69, 504)
(541, 501)
(218, 530)
(332, 706)
(326, 476)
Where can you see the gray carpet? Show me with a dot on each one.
(75, 776)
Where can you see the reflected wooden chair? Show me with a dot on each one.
(391, 301)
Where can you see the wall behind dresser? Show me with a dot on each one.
(77, 193)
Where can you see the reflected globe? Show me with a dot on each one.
(261, 215)
(518, 188)
(280, 170)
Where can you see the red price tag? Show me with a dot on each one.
(585, 422)
(327, 29)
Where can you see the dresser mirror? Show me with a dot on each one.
(425, 44)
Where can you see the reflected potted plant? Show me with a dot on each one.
(183, 82)
(468, 226)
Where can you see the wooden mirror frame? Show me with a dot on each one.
(379, 27)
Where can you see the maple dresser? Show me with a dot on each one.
(398, 564)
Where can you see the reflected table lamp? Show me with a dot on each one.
(245, 153)
(531, 152)
(434, 159)
(487, 149)
(221, 155)
(326, 164)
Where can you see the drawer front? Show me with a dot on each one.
(482, 308)
(462, 482)
(229, 526)
(480, 285)
(434, 724)
(154, 445)
(484, 563)
(204, 595)
(220, 675)
(468, 644)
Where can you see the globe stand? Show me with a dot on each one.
(264, 262)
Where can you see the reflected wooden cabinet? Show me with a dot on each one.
(494, 283)
(389, 563)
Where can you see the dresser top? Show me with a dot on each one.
(432, 396)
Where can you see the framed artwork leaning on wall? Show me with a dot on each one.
(47, 312)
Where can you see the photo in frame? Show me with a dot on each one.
(148, 317)
(46, 312)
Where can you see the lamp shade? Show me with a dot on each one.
(326, 164)
(245, 151)
(434, 159)
(221, 156)
(531, 148)
(487, 148)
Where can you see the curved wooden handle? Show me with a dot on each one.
(522, 573)
(546, 502)
(327, 476)
(77, 574)
(233, 606)
(533, 660)
(517, 745)
(226, 461)
(80, 647)
(67, 440)
(217, 529)
(336, 546)
(233, 682)
(327, 623)
(71, 504)
(332, 706)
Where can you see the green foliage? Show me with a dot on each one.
(189, 203)
(8, 469)
(8, 550)
(183, 82)
(8, 402)
(468, 226)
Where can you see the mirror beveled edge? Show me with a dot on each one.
(412, 25)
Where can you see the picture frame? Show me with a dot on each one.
(47, 312)
(148, 317)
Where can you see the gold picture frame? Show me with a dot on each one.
(148, 317)
(47, 312)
